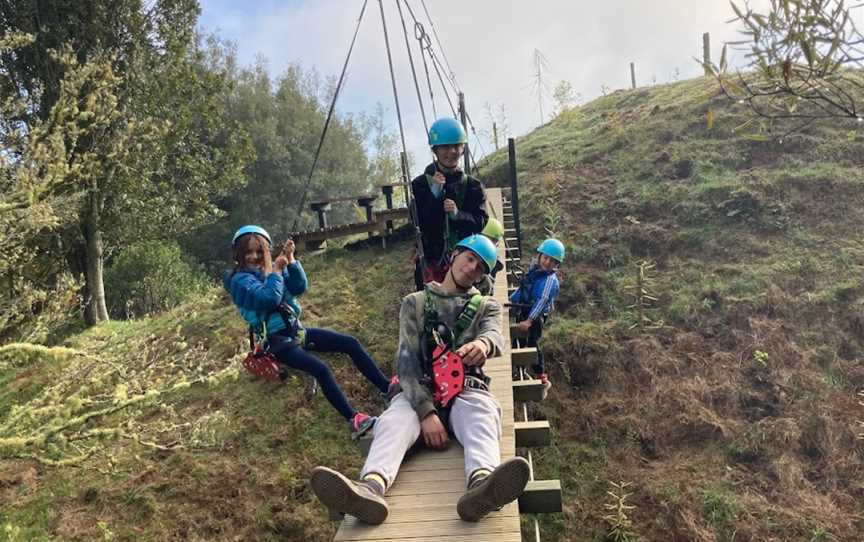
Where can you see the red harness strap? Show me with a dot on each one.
(262, 363)
(448, 375)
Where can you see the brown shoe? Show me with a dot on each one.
(343, 496)
(503, 485)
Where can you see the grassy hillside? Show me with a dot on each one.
(235, 452)
(729, 405)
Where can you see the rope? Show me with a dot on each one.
(393, 78)
(411, 61)
(330, 116)
(420, 33)
(441, 47)
(426, 45)
(441, 79)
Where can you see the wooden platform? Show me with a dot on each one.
(423, 497)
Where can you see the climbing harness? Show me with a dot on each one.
(448, 372)
(260, 361)
(449, 376)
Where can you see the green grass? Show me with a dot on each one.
(757, 249)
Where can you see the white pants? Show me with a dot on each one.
(475, 417)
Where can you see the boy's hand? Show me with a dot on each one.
(438, 178)
(450, 206)
(524, 325)
(474, 353)
(434, 433)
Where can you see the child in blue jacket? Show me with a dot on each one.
(535, 298)
(265, 292)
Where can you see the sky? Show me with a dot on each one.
(490, 45)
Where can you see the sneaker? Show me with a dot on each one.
(360, 424)
(343, 496)
(502, 486)
(546, 384)
(392, 389)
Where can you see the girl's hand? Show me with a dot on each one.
(267, 263)
(281, 263)
(524, 325)
(288, 250)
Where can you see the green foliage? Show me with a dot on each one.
(284, 118)
(149, 277)
(800, 52)
(721, 509)
(617, 513)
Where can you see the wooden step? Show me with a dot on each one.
(523, 357)
(541, 497)
(528, 391)
(532, 434)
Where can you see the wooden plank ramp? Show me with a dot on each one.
(423, 498)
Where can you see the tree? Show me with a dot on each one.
(147, 149)
(564, 97)
(801, 52)
(284, 118)
(539, 85)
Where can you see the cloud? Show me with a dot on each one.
(489, 43)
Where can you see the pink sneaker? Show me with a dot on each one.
(360, 424)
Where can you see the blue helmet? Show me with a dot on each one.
(481, 246)
(446, 131)
(553, 248)
(245, 230)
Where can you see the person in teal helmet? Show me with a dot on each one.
(470, 324)
(450, 204)
(265, 292)
(494, 231)
(535, 299)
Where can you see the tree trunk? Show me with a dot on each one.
(95, 309)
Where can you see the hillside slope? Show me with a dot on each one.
(729, 404)
(233, 452)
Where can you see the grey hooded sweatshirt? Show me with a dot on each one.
(409, 356)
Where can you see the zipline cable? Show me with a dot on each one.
(411, 61)
(393, 77)
(330, 116)
(420, 33)
(435, 32)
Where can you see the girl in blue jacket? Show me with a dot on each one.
(535, 298)
(265, 292)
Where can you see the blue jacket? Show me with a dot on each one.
(257, 298)
(539, 289)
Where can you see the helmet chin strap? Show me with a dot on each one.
(452, 276)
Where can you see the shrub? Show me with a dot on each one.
(149, 277)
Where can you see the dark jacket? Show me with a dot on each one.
(470, 198)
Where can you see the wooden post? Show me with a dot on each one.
(495, 134)
(388, 198)
(367, 202)
(321, 208)
(706, 52)
(463, 116)
(514, 191)
(633, 74)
